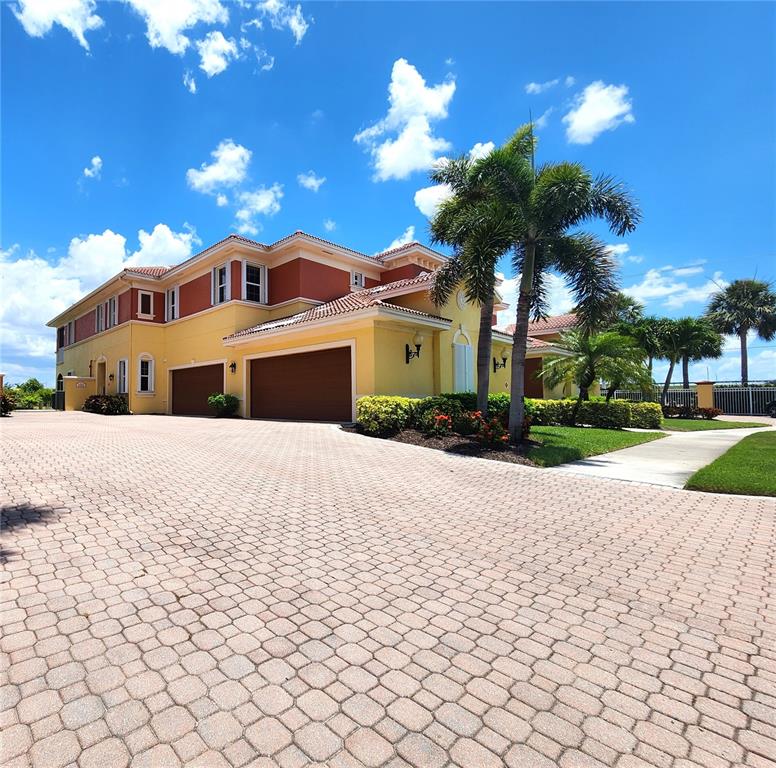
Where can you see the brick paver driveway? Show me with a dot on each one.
(220, 593)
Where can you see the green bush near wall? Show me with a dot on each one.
(646, 415)
(384, 415)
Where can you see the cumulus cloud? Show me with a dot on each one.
(535, 88)
(329, 225)
(167, 21)
(284, 15)
(544, 118)
(215, 53)
(189, 82)
(598, 108)
(36, 289)
(76, 16)
(310, 181)
(94, 169)
(229, 168)
(222, 200)
(662, 284)
(405, 237)
(264, 201)
(559, 297)
(621, 252)
(403, 141)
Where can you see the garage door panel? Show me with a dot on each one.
(311, 386)
(191, 388)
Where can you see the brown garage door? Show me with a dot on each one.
(191, 388)
(311, 386)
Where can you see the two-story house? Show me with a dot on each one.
(298, 329)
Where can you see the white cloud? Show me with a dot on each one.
(282, 15)
(36, 289)
(405, 237)
(229, 167)
(535, 88)
(686, 271)
(76, 16)
(621, 252)
(310, 181)
(166, 21)
(264, 201)
(94, 169)
(413, 107)
(189, 81)
(661, 284)
(543, 119)
(221, 200)
(428, 199)
(598, 108)
(329, 225)
(569, 81)
(559, 297)
(215, 53)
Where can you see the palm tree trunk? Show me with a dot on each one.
(483, 356)
(519, 346)
(686, 371)
(664, 395)
(744, 359)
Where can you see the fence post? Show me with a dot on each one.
(705, 390)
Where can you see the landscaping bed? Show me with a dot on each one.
(464, 446)
(745, 468)
(699, 425)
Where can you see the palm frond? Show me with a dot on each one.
(446, 278)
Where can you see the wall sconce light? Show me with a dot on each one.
(233, 367)
(502, 364)
(110, 377)
(408, 353)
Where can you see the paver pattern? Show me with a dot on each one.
(224, 593)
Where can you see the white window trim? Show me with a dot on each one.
(151, 373)
(113, 311)
(119, 390)
(262, 286)
(353, 281)
(140, 314)
(175, 291)
(99, 323)
(227, 266)
(70, 334)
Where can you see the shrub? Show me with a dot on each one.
(107, 405)
(615, 414)
(646, 415)
(7, 402)
(437, 404)
(437, 424)
(467, 400)
(224, 405)
(709, 413)
(680, 411)
(552, 412)
(493, 433)
(498, 404)
(383, 416)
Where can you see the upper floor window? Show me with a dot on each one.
(112, 317)
(145, 374)
(70, 335)
(254, 282)
(172, 304)
(100, 324)
(357, 279)
(220, 284)
(145, 305)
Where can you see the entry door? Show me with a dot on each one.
(463, 368)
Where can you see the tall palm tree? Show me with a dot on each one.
(648, 333)
(745, 305)
(479, 232)
(622, 309)
(698, 340)
(592, 356)
(545, 205)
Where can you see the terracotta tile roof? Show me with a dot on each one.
(149, 271)
(552, 324)
(531, 342)
(353, 302)
(408, 282)
(400, 249)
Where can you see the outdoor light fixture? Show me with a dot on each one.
(408, 353)
(110, 377)
(233, 367)
(502, 364)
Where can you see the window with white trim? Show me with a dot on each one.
(172, 304)
(220, 284)
(121, 376)
(113, 312)
(254, 282)
(70, 334)
(100, 323)
(145, 374)
(145, 304)
(357, 279)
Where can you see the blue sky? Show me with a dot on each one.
(136, 132)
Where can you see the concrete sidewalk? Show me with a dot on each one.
(669, 461)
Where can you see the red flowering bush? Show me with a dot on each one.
(439, 425)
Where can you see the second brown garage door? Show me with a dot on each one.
(310, 386)
(191, 388)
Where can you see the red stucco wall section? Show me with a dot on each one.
(125, 310)
(158, 305)
(194, 296)
(85, 326)
(308, 279)
(401, 273)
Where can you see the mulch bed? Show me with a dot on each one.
(464, 446)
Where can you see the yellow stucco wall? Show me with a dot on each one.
(393, 375)
(77, 389)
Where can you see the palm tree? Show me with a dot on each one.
(648, 333)
(622, 309)
(745, 305)
(609, 355)
(545, 204)
(698, 340)
(479, 232)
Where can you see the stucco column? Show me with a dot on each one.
(705, 390)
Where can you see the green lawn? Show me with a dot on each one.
(562, 444)
(698, 425)
(748, 467)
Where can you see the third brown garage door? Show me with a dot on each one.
(311, 386)
(191, 388)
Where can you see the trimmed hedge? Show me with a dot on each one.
(553, 413)
(107, 405)
(646, 415)
(383, 415)
(616, 414)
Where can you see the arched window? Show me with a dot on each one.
(463, 362)
(60, 383)
(145, 373)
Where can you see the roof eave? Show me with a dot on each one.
(53, 323)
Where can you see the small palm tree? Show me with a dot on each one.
(745, 305)
(609, 355)
(698, 340)
(648, 333)
(545, 204)
(623, 309)
(684, 337)
(479, 232)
